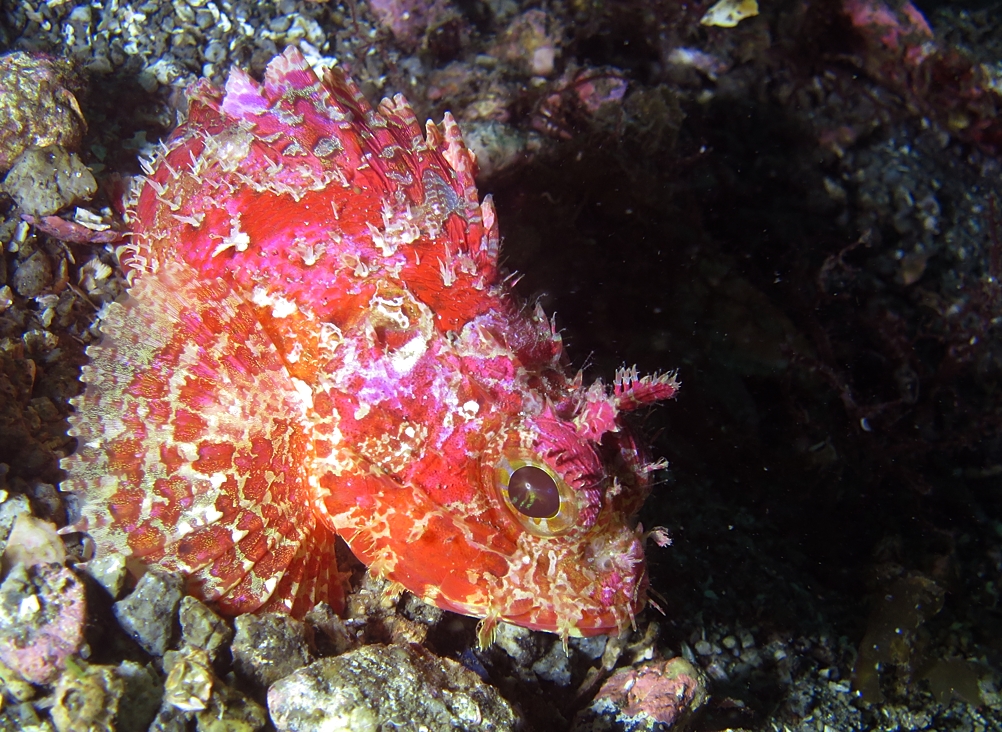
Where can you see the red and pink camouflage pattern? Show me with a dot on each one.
(317, 342)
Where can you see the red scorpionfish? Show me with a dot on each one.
(317, 342)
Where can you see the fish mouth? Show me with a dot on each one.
(592, 622)
(594, 589)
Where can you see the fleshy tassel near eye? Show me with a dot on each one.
(538, 498)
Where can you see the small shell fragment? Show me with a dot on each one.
(728, 13)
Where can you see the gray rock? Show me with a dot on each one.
(140, 699)
(555, 666)
(592, 647)
(201, 628)
(375, 687)
(268, 647)
(45, 497)
(524, 647)
(45, 180)
(520, 643)
(32, 275)
(334, 638)
(149, 614)
(109, 571)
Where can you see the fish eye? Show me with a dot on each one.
(533, 492)
(535, 495)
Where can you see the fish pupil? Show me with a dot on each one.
(534, 493)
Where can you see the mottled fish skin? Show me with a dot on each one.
(317, 342)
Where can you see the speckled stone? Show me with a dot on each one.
(555, 666)
(170, 719)
(13, 687)
(334, 637)
(32, 275)
(44, 180)
(268, 647)
(523, 646)
(374, 687)
(149, 614)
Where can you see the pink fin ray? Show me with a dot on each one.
(312, 576)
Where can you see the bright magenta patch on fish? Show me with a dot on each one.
(317, 342)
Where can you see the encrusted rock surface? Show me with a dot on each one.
(376, 686)
(647, 697)
(42, 614)
(87, 699)
(38, 104)
(269, 646)
(45, 180)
